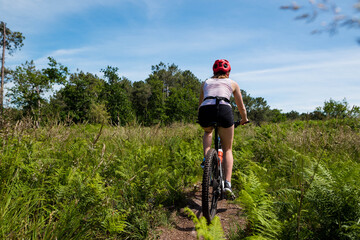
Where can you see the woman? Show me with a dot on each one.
(220, 85)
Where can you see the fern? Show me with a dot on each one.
(55, 183)
(114, 222)
(213, 231)
(263, 223)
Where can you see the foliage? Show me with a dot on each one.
(156, 100)
(168, 95)
(303, 172)
(276, 116)
(75, 98)
(336, 19)
(262, 220)
(26, 92)
(31, 85)
(292, 115)
(174, 94)
(141, 93)
(257, 108)
(330, 109)
(335, 109)
(91, 181)
(213, 231)
(14, 40)
(295, 180)
(117, 94)
(9, 41)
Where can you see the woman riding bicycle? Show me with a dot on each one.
(222, 87)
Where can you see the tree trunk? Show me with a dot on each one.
(3, 73)
(39, 105)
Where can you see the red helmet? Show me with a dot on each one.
(221, 65)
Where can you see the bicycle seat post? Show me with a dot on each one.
(216, 139)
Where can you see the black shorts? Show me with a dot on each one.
(207, 115)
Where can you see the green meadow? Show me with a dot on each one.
(295, 179)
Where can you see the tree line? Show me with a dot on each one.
(167, 95)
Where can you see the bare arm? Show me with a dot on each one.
(239, 102)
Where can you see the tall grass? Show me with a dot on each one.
(305, 174)
(86, 181)
(295, 180)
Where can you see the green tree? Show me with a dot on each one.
(10, 41)
(32, 85)
(292, 115)
(75, 99)
(257, 108)
(156, 106)
(335, 109)
(117, 93)
(190, 81)
(168, 74)
(354, 112)
(161, 79)
(174, 94)
(140, 98)
(277, 116)
(182, 103)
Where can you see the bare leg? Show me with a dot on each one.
(207, 139)
(227, 136)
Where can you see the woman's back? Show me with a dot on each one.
(217, 87)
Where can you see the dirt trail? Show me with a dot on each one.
(183, 228)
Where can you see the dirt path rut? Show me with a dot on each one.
(182, 226)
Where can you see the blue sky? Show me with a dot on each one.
(271, 54)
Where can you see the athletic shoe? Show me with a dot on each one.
(202, 165)
(229, 195)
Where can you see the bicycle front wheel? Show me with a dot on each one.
(211, 185)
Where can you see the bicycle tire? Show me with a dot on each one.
(211, 185)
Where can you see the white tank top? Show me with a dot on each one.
(217, 87)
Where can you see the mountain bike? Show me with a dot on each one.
(213, 177)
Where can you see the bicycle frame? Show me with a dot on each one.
(217, 147)
(221, 171)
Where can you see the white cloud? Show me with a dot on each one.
(135, 51)
(303, 81)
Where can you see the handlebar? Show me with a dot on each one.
(237, 123)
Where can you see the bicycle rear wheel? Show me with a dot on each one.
(211, 185)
